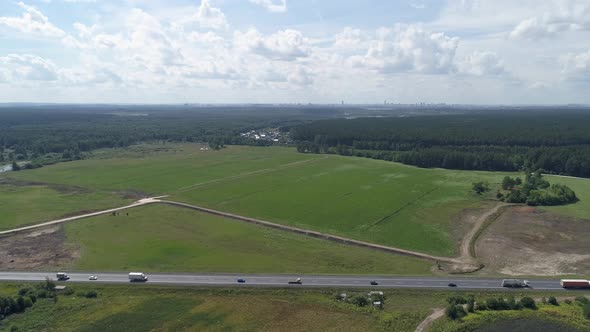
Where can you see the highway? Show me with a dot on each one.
(282, 280)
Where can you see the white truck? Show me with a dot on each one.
(62, 276)
(137, 276)
(517, 283)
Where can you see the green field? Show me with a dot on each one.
(366, 199)
(548, 318)
(581, 209)
(30, 204)
(161, 308)
(164, 238)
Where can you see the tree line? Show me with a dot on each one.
(556, 142)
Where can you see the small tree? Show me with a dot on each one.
(15, 166)
(480, 187)
(553, 300)
(528, 302)
(454, 311)
(360, 300)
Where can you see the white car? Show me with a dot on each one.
(93, 278)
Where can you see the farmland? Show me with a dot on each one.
(370, 200)
(163, 238)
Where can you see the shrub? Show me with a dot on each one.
(23, 291)
(553, 300)
(68, 291)
(91, 294)
(454, 311)
(582, 300)
(587, 310)
(528, 302)
(42, 293)
(456, 300)
(360, 300)
(567, 301)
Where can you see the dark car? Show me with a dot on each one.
(374, 283)
(452, 285)
(241, 280)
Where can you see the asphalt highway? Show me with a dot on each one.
(282, 280)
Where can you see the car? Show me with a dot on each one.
(452, 285)
(241, 280)
(374, 283)
(93, 278)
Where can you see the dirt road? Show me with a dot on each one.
(465, 251)
(436, 314)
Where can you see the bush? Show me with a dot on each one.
(23, 291)
(553, 300)
(91, 294)
(13, 328)
(42, 293)
(581, 300)
(456, 300)
(28, 302)
(454, 311)
(567, 301)
(528, 302)
(68, 291)
(360, 300)
(587, 310)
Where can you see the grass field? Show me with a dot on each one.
(164, 238)
(581, 209)
(160, 308)
(31, 204)
(371, 200)
(548, 318)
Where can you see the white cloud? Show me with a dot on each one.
(482, 63)
(275, 6)
(576, 66)
(349, 39)
(282, 45)
(566, 16)
(300, 75)
(32, 21)
(410, 48)
(208, 37)
(210, 17)
(29, 67)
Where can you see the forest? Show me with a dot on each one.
(553, 141)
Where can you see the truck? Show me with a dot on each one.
(574, 283)
(295, 282)
(137, 276)
(517, 283)
(62, 276)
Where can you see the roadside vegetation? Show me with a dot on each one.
(499, 313)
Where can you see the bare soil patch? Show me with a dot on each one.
(36, 249)
(530, 241)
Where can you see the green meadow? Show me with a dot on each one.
(164, 238)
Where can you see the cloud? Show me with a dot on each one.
(275, 6)
(569, 16)
(29, 67)
(576, 66)
(300, 75)
(32, 21)
(410, 48)
(349, 38)
(210, 17)
(482, 63)
(282, 45)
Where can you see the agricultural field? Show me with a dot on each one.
(581, 209)
(165, 238)
(22, 204)
(371, 200)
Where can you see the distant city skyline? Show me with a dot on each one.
(286, 51)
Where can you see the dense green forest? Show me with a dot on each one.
(57, 133)
(554, 141)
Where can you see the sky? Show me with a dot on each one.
(295, 51)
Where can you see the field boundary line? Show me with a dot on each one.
(145, 201)
(237, 176)
(312, 233)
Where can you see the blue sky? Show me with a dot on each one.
(319, 51)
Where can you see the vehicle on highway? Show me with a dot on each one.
(62, 276)
(93, 278)
(452, 284)
(574, 283)
(515, 283)
(296, 281)
(241, 280)
(374, 283)
(137, 276)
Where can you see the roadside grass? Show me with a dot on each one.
(23, 205)
(565, 317)
(165, 238)
(169, 308)
(581, 187)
